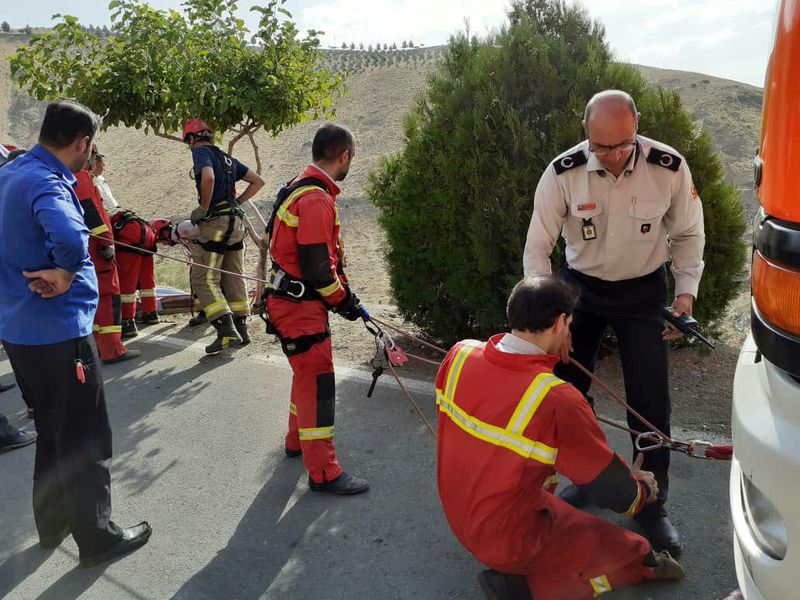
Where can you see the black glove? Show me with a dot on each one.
(107, 252)
(349, 308)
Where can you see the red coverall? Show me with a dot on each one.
(135, 268)
(108, 319)
(306, 245)
(506, 426)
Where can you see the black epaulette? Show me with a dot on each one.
(565, 163)
(664, 159)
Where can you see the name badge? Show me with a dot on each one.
(587, 206)
(588, 230)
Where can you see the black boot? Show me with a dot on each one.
(241, 328)
(660, 531)
(198, 319)
(226, 334)
(149, 318)
(343, 485)
(501, 586)
(129, 329)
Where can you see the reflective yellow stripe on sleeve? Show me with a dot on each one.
(600, 585)
(316, 433)
(632, 509)
(151, 293)
(330, 289)
(293, 409)
(127, 298)
(99, 229)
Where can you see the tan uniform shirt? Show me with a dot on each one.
(641, 219)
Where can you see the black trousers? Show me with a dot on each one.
(632, 309)
(71, 481)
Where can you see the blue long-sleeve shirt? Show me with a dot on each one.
(41, 227)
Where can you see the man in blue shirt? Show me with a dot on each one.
(48, 297)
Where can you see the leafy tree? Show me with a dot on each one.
(410, 44)
(344, 45)
(5, 27)
(369, 49)
(456, 202)
(405, 44)
(361, 46)
(164, 67)
(27, 30)
(352, 46)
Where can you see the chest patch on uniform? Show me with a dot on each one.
(565, 163)
(587, 206)
(664, 159)
(645, 228)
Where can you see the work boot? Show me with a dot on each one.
(149, 318)
(501, 586)
(241, 328)
(22, 439)
(660, 531)
(198, 319)
(666, 566)
(574, 496)
(129, 329)
(226, 335)
(343, 485)
(4, 387)
(129, 355)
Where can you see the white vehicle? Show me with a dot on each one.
(765, 473)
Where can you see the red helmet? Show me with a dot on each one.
(196, 127)
(163, 229)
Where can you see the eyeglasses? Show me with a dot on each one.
(599, 150)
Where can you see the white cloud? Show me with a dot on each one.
(389, 21)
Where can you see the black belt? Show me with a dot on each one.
(283, 285)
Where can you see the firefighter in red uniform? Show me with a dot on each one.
(507, 425)
(136, 270)
(108, 319)
(307, 281)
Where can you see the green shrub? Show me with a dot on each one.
(456, 202)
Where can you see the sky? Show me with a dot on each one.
(725, 38)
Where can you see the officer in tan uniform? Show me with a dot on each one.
(625, 205)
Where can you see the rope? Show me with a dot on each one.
(689, 448)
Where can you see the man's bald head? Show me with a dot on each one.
(609, 101)
(611, 121)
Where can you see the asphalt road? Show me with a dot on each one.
(198, 453)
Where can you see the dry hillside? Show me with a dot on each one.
(151, 175)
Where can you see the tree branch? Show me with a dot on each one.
(167, 136)
(242, 132)
(255, 147)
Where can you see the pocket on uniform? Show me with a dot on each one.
(645, 220)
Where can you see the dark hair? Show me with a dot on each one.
(330, 141)
(535, 303)
(65, 121)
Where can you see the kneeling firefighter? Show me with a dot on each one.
(308, 280)
(220, 245)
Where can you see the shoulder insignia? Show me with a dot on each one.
(565, 163)
(664, 159)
